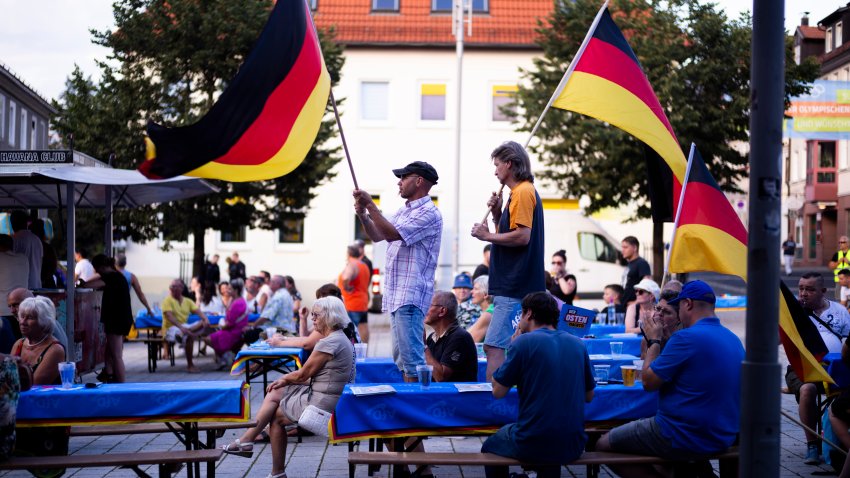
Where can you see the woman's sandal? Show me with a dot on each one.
(279, 475)
(239, 449)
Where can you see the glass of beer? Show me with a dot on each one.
(629, 373)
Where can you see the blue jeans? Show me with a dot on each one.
(502, 443)
(502, 324)
(407, 326)
(358, 317)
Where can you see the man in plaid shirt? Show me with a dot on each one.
(413, 234)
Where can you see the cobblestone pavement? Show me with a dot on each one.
(313, 457)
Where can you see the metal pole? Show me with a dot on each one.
(458, 6)
(70, 285)
(760, 373)
(107, 227)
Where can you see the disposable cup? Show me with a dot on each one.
(270, 331)
(629, 373)
(424, 372)
(616, 348)
(600, 373)
(67, 371)
(639, 366)
(360, 350)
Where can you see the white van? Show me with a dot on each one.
(593, 255)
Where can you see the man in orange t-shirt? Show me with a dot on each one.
(354, 284)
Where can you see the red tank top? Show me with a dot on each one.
(357, 300)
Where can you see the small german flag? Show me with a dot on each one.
(266, 120)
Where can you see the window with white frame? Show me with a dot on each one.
(24, 129)
(42, 134)
(478, 6)
(292, 231)
(433, 102)
(33, 135)
(385, 5)
(374, 100)
(2, 116)
(838, 34)
(504, 105)
(13, 117)
(828, 40)
(236, 234)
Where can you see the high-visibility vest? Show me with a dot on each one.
(841, 256)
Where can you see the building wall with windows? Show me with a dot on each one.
(24, 114)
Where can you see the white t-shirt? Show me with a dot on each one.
(215, 307)
(84, 270)
(838, 319)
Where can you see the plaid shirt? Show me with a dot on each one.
(411, 261)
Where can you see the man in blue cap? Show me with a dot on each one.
(698, 378)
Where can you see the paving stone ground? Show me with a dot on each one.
(313, 457)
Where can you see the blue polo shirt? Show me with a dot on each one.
(699, 405)
(551, 370)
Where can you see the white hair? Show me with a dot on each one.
(334, 309)
(484, 282)
(44, 310)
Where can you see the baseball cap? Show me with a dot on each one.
(695, 290)
(421, 168)
(462, 281)
(650, 286)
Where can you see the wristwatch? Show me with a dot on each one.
(652, 341)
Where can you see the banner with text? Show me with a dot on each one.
(822, 114)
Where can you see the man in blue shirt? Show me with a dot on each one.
(550, 424)
(698, 376)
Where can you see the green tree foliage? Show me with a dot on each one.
(170, 60)
(697, 61)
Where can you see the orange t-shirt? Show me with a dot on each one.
(522, 205)
(357, 300)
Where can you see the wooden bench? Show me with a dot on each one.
(214, 430)
(592, 459)
(166, 461)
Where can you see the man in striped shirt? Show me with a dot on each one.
(413, 234)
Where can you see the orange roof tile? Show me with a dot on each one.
(508, 23)
(812, 33)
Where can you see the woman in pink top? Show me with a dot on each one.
(229, 336)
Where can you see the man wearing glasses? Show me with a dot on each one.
(698, 377)
(413, 234)
(840, 260)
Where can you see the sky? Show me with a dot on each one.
(42, 40)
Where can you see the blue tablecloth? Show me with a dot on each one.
(442, 410)
(602, 329)
(143, 320)
(602, 345)
(284, 353)
(384, 370)
(116, 403)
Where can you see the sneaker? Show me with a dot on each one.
(812, 455)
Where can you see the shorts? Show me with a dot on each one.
(407, 327)
(502, 443)
(794, 383)
(358, 317)
(643, 437)
(502, 324)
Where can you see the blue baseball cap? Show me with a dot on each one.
(462, 281)
(695, 290)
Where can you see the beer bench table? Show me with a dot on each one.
(441, 410)
(384, 369)
(278, 359)
(179, 405)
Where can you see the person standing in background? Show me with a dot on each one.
(29, 245)
(637, 268)
(353, 281)
(132, 281)
(788, 249)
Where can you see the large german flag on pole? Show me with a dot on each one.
(265, 122)
(606, 81)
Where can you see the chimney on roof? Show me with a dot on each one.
(805, 20)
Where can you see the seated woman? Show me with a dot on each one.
(319, 382)
(647, 294)
(38, 348)
(209, 303)
(669, 317)
(229, 336)
(481, 298)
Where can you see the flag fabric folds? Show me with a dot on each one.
(608, 83)
(803, 343)
(709, 236)
(265, 121)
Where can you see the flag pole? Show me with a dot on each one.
(561, 85)
(678, 214)
(333, 101)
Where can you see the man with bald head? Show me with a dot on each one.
(840, 260)
(278, 310)
(450, 349)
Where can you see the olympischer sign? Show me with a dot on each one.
(822, 114)
(37, 157)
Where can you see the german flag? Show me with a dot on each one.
(265, 121)
(709, 236)
(608, 83)
(801, 340)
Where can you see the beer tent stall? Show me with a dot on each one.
(67, 180)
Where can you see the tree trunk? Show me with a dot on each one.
(199, 253)
(658, 251)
